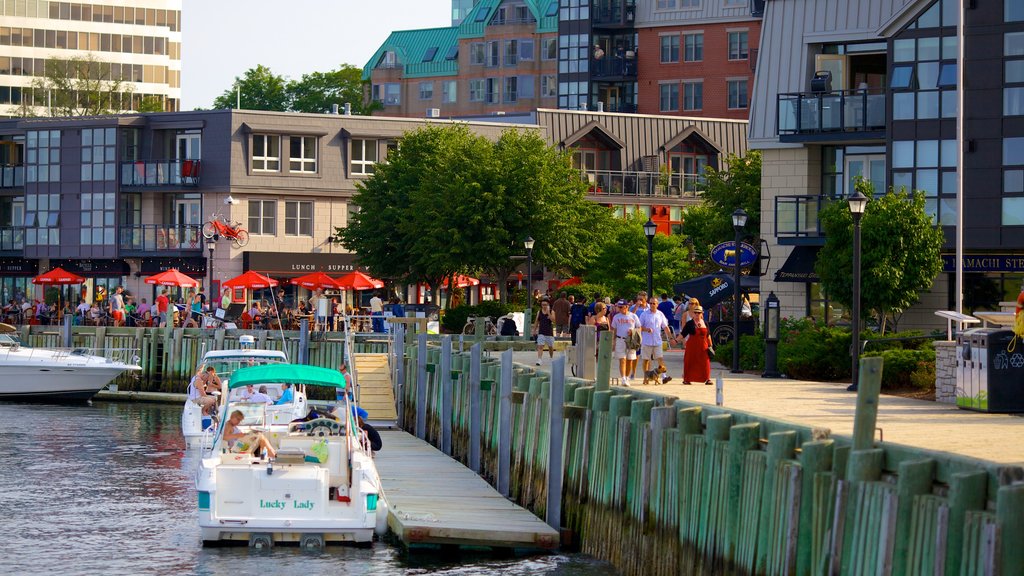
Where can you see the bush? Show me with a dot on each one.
(923, 377)
(813, 351)
(898, 365)
(751, 352)
(455, 319)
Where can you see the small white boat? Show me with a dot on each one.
(198, 430)
(322, 487)
(54, 374)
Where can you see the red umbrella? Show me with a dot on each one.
(173, 277)
(574, 281)
(359, 281)
(463, 281)
(58, 276)
(315, 281)
(250, 280)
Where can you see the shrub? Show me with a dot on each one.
(898, 365)
(923, 377)
(810, 351)
(751, 352)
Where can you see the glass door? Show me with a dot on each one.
(870, 167)
(188, 146)
(188, 221)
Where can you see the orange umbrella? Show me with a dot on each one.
(173, 277)
(463, 281)
(58, 276)
(359, 281)
(250, 280)
(574, 281)
(315, 281)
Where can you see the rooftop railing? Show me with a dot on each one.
(643, 184)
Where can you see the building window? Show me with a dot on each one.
(426, 90)
(693, 96)
(923, 75)
(1013, 10)
(476, 90)
(477, 53)
(428, 56)
(1013, 80)
(670, 49)
(737, 94)
(493, 90)
(665, 5)
(573, 10)
(98, 148)
(364, 156)
(511, 89)
(573, 53)
(549, 86)
(571, 95)
(449, 91)
(689, 3)
(302, 156)
(392, 94)
(738, 49)
(1013, 182)
(549, 49)
(298, 218)
(928, 166)
(453, 53)
(526, 50)
(693, 47)
(263, 217)
(266, 153)
(493, 54)
(525, 86)
(511, 52)
(669, 100)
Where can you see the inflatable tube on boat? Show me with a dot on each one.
(382, 517)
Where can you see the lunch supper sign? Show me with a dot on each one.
(275, 504)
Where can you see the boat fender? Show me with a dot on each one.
(270, 468)
(382, 518)
(312, 542)
(261, 541)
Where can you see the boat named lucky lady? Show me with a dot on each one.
(321, 487)
(55, 374)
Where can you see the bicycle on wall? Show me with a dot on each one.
(218, 224)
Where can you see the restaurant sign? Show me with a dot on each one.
(297, 264)
(985, 263)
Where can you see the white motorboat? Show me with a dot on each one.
(321, 487)
(54, 374)
(198, 430)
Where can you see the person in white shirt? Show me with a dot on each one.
(377, 311)
(654, 325)
(621, 324)
(261, 396)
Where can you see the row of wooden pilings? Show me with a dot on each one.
(658, 486)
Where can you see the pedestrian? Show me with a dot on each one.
(561, 307)
(679, 312)
(667, 309)
(577, 316)
(377, 312)
(162, 305)
(116, 304)
(622, 324)
(544, 328)
(654, 326)
(696, 340)
(599, 321)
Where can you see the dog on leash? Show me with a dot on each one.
(654, 376)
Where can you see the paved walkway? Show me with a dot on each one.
(942, 427)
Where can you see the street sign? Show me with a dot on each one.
(723, 254)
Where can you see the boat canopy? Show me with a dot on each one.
(290, 373)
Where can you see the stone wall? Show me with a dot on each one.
(945, 371)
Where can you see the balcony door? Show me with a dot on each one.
(187, 146)
(870, 167)
(188, 221)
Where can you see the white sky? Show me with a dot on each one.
(224, 38)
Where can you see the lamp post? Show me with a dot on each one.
(211, 245)
(528, 320)
(858, 202)
(739, 220)
(771, 336)
(650, 229)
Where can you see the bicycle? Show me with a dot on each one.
(470, 328)
(218, 224)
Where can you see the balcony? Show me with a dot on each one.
(12, 240)
(12, 176)
(608, 185)
(148, 173)
(155, 239)
(613, 13)
(796, 219)
(831, 116)
(612, 67)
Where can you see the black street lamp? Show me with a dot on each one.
(858, 202)
(739, 220)
(650, 229)
(211, 245)
(528, 320)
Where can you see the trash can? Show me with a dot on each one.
(990, 371)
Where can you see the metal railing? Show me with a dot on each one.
(797, 216)
(511, 20)
(151, 238)
(160, 173)
(649, 184)
(836, 111)
(613, 66)
(12, 176)
(12, 238)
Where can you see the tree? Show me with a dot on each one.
(317, 91)
(151, 104)
(736, 186)
(900, 254)
(261, 90)
(80, 86)
(622, 266)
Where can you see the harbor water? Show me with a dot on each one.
(108, 488)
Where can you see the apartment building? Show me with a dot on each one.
(884, 107)
(139, 40)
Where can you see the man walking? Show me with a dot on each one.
(561, 307)
(117, 306)
(577, 316)
(622, 323)
(162, 303)
(653, 326)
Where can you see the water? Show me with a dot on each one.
(108, 489)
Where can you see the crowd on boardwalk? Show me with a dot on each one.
(643, 328)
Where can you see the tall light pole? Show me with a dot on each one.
(650, 229)
(858, 202)
(211, 245)
(739, 220)
(528, 320)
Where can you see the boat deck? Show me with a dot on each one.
(434, 499)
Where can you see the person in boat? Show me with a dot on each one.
(201, 389)
(246, 394)
(245, 442)
(261, 396)
(287, 395)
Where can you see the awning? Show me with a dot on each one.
(799, 267)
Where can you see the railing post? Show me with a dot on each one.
(446, 394)
(474, 407)
(555, 433)
(399, 354)
(66, 331)
(421, 386)
(303, 341)
(505, 423)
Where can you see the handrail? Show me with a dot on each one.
(860, 110)
(172, 172)
(158, 238)
(126, 356)
(644, 184)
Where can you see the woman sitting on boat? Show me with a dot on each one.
(245, 442)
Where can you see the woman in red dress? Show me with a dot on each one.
(696, 364)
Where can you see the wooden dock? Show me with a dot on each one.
(436, 500)
(376, 395)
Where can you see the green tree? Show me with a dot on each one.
(80, 86)
(622, 266)
(737, 185)
(151, 104)
(261, 90)
(900, 251)
(317, 91)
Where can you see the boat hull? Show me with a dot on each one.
(42, 383)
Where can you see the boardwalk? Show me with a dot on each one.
(436, 500)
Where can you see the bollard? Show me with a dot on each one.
(586, 351)
(446, 394)
(474, 407)
(556, 430)
(604, 361)
(867, 403)
(505, 423)
(719, 391)
(66, 331)
(421, 386)
(304, 341)
(399, 387)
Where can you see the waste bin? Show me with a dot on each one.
(990, 371)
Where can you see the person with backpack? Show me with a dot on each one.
(626, 326)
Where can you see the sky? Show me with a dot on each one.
(221, 39)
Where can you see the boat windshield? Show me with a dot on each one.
(255, 414)
(8, 341)
(225, 366)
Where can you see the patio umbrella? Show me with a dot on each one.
(462, 281)
(315, 281)
(173, 277)
(58, 277)
(251, 281)
(359, 281)
(711, 289)
(574, 281)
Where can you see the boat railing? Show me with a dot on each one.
(111, 355)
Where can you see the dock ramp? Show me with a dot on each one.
(376, 393)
